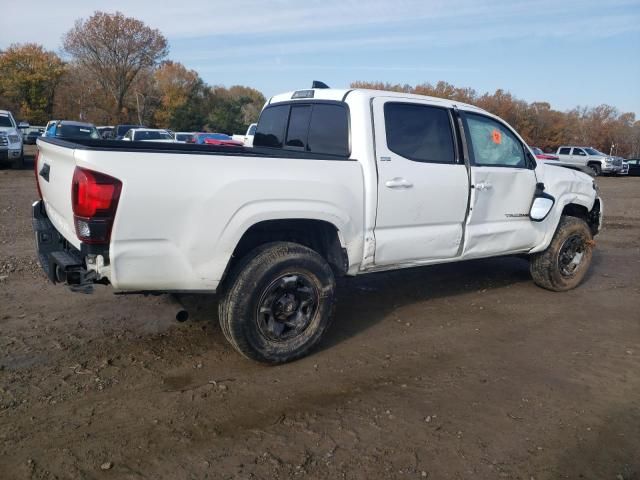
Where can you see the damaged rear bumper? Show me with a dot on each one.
(61, 261)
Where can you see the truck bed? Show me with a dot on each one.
(183, 208)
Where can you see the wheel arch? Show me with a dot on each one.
(574, 205)
(320, 235)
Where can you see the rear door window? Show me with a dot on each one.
(419, 132)
(564, 151)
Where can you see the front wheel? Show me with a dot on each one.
(597, 169)
(277, 302)
(563, 265)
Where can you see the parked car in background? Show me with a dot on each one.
(183, 137)
(46, 127)
(248, 137)
(11, 140)
(120, 130)
(598, 162)
(148, 135)
(106, 131)
(634, 166)
(71, 130)
(32, 136)
(219, 139)
(625, 167)
(540, 155)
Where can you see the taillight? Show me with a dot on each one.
(35, 170)
(94, 197)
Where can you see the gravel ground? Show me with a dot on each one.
(446, 372)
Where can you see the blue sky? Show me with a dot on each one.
(566, 52)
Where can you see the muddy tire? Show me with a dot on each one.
(277, 302)
(563, 265)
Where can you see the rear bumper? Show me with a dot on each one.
(61, 261)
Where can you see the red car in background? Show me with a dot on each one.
(218, 139)
(540, 155)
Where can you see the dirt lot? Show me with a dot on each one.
(455, 371)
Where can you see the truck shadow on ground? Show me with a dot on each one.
(366, 300)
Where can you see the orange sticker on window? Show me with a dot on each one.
(496, 136)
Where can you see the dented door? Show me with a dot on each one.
(502, 188)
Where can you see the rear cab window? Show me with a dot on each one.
(315, 127)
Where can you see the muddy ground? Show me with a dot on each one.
(454, 371)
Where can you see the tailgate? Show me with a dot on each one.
(55, 174)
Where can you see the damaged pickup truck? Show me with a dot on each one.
(338, 182)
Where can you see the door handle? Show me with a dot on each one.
(398, 182)
(483, 186)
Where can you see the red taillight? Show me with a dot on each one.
(35, 170)
(94, 197)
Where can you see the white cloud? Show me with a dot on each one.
(45, 22)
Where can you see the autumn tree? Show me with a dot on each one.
(115, 49)
(29, 75)
(173, 84)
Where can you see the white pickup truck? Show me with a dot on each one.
(589, 157)
(338, 182)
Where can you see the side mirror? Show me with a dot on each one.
(22, 125)
(541, 205)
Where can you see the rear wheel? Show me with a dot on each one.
(277, 302)
(563, 265)
(597, 169)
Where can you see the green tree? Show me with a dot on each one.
(29, 75)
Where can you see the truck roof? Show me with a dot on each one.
(337, 94)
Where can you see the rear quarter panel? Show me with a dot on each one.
(180, 216)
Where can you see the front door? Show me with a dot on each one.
(423, 185)
(503, 184)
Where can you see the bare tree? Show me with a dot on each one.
(116, 49)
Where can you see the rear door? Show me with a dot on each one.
(423, 185)
(503, 183)
(579, 156)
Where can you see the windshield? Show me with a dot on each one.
(152, 135)
(593, 151)
(5, 121)
(77, 131)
